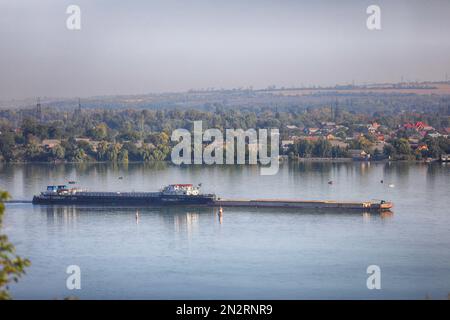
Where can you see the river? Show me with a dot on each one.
(185, 253)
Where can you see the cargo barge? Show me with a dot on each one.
(187, 195)
(304, 204)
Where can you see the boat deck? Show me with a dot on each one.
(299, 204)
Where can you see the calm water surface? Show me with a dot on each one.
(188, 253)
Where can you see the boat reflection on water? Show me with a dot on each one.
(61, 215)
(367, 216)
(187, 222)
(182, 218)
(386, 214)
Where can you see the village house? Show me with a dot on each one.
(373, 128)
(82, 139)
(309, 138)
(358, 154)
(285, 144)
(378, 145)
(338, 143)
(357, 135)
(328, 126)
(413, 142)
(409, 126)
(312, 131)
(50, 143)
(92, 143)
(418, 126)
(139, 144)
(435, 135)
(422, 147)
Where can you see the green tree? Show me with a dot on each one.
(34, 152)
(402, 147)
(304, 148)
(6, 145)
(102, 150)
(133, 151)
(113, 152)
(322, 148)
(364, 143)
(389, 150)
(146, 152)
(123, 156)
(79, 155)
(100, 132)
(12, 267)
(58, 152)
(434, 149)
(157, 138)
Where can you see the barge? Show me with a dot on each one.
(174, 194)
(188, 195)
(303, 204)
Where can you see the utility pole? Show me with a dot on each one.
(142, 124)
(39, 110)
(336, 111)
(76, 116)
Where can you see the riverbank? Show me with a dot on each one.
(282, 159)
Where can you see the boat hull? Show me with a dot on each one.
(124, 200)
(317, 205)
(131, 199)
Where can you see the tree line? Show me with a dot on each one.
(144, 135)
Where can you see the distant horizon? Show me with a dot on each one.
(155, 46)
(213, 89)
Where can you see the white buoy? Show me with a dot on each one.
(391, 185)
(220, 215)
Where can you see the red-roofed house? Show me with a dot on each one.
(420, 125)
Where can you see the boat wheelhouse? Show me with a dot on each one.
(181, 189)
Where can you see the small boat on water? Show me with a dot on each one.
(187, 195)
(445, 158)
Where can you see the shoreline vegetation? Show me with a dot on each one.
(169, 162)
(330, 131)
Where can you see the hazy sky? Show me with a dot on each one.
(127, 47)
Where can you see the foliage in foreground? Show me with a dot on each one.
(12, 267)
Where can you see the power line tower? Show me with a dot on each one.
(142, 124)
(39, 110)
(76, 114)
(331, 111)
(336, 112)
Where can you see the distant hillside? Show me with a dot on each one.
(367, 98)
